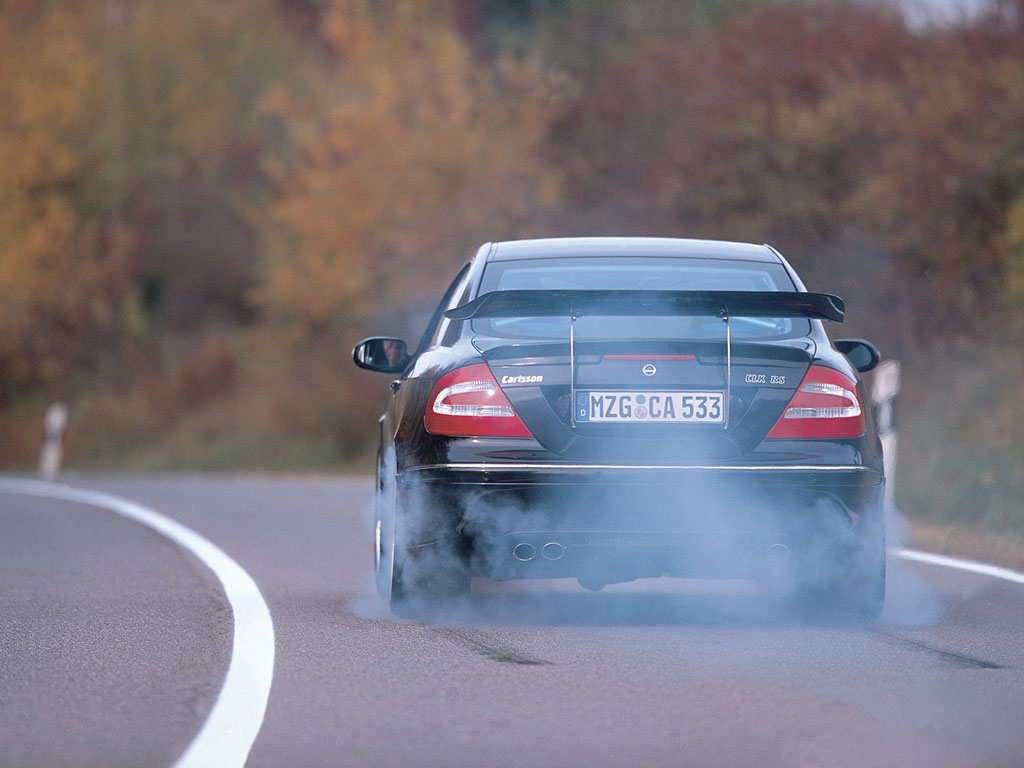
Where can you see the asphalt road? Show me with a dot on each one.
(114, 643)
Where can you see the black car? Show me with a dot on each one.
(617, 408)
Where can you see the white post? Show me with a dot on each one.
(53, 444)
(883, 393)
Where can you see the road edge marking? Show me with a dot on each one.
(237, 715)
(994, 571)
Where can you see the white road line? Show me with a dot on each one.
(232, 725)
(963, 565)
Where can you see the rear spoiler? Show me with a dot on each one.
(818, 306)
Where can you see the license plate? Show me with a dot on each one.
(649, 407)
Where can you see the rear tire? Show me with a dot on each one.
(425, 584)
(384, 531)
(420, 581)
(857, 593)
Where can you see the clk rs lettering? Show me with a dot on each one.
(522, 380)
(761, 378)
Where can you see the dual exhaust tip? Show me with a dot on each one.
(777, 555)
(524, 552)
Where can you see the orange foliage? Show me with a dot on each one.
(412, 156)
(167, 173)
(824, 128)
(62, 260)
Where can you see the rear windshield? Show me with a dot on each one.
(612, 273)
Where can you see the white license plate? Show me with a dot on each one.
(649, 407)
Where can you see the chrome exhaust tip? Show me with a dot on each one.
(781, 578)
(552, 551)
(523, 552)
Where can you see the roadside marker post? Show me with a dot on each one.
(53, 442)
(884, 389)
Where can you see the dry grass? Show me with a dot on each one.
(1003, 549)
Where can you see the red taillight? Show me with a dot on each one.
(650, 357)
(469, 403)
(826, 404)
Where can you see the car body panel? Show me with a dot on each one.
(622, 500)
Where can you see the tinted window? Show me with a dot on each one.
(437, 321)
(637, 274)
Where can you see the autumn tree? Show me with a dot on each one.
(63, 254)
(131, 138)
(191, 77)
(858, 145)
(409, 156)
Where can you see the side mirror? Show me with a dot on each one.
(863, 354)
(382, 354)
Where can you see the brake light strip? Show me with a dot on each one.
(650, 357)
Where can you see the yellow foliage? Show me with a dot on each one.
(1015, 251)
(414, 155)
(60, 265)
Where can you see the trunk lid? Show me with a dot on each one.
(754, 390)
(702, 395)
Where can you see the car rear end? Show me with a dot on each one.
(703, 427)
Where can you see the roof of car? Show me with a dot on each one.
(567, 247)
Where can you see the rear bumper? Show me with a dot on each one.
(547, 520)
(485, 473)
